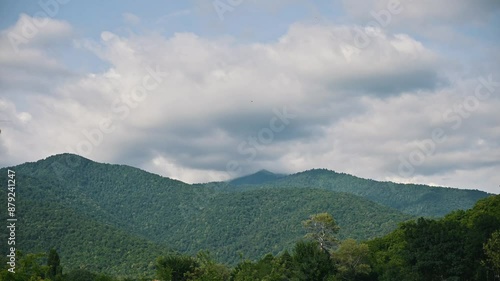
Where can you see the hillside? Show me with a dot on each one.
(83, 242)
(66, 199)
(269, 220)
(412, 199)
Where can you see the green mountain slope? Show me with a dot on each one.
(65, 200)
(413, 199)
(82, 242)
(260, 221)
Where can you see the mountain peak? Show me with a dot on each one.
(261, 176)
(67, 157)
(264, 171)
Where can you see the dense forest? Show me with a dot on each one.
(118, 220)
(413, 199)
(464, 245)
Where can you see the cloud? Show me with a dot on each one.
(25, 66)
(179, 13)
(175, 14)
(35, 31)
(131, 18)
(454, 24)
(456, 11)
(189, 107)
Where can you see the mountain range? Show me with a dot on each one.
(118, 219)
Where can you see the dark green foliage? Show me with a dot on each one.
(435, 249)
(208, 269)
(263, 269)
(81, 275)
(451, 248)
(386, 258)
(175, 267)
(312, 263)
(54, 264)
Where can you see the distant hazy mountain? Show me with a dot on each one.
(105, 216)
(262, 176)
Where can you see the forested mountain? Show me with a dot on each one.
(118, 219)
(413, 199)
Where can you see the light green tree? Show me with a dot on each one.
(322, 228)
(492, 251)
(352, 260)
(208, 269)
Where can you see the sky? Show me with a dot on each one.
(404, 91)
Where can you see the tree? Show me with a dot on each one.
(208, 269)
(285, 266)
(387, 258)
(54, 264)
(311, 262)
(492, 252)
(31, 266)
(268, 268)
(175, 267)
(322, 228)
(81, 275)
(435, 249)
(28, 267)
(352, 260)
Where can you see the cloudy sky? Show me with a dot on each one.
(407, 91)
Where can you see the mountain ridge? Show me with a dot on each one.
(276, 176)
(414, 199)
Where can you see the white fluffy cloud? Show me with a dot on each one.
(189, 107)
